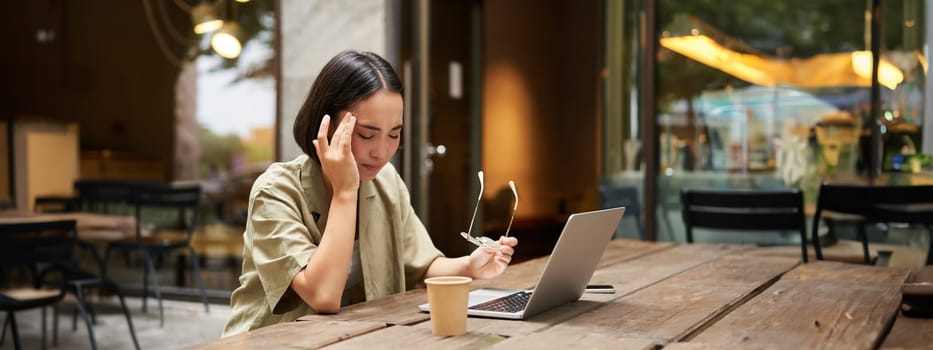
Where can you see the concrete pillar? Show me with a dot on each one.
(311, 33)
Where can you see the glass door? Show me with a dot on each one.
(441, 150)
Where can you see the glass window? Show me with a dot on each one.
(776, 94)
(623, 163)
(903, 41)
(233, 138)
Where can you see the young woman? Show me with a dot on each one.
(335, 226)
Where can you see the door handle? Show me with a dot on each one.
(430, 152)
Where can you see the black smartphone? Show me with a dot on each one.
(600, 288)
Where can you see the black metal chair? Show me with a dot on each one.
(104, 196)
(875, 204)
(146, 199)
(623, 196)
(52, 244)
(24, 246)
(78, 282)
(96, 196)
(746, 210)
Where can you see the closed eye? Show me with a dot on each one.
(394, 137)
(364, 137)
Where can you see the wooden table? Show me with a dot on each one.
(90, 226)
(671, 296)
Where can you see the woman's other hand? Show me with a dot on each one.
(487, 262)
(337, 161)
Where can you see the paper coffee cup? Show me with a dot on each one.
(448, 297)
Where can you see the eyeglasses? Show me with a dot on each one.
(483, 240)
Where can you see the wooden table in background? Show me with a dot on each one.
(671, 296)
(90, 226)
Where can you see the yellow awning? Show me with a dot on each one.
(825, 70)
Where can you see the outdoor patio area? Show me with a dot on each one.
(186, 324)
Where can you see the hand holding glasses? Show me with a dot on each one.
(483, 240)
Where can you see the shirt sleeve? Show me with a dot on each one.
(419, 250)
(282, 246)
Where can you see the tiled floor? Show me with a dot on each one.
(186, 324)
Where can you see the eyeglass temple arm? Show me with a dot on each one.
(478, 199)
(514, 209)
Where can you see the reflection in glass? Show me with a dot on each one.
(763, 94)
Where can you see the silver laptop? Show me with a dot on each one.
(569, 268)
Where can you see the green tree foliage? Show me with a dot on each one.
(217, 151)
(258, 153)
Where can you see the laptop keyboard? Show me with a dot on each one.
(514, 302)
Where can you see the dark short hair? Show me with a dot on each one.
(349, 77)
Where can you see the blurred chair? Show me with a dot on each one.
(108, 197)
(52, 244)
(623, 196)
(23, 246)
(103, 196)
(99, 196)
(875, 204)
(64, 204)
(78, 281)
(746, 210)
(147, 200)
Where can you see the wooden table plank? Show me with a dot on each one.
(638, 262)
(513, 328)
(828, 271)
(910, 333)
(477, 338)
(525, 275)
(639, 273)
(740, 268)
(626, 276)
(405, 337)
(808, 314)
(90, 226)
(397, 309)
(572, 339)
(620, 250)
(401, 309)
(294, 335)
(705, 296)
(690, 346)
(676, 307)
(644, 271)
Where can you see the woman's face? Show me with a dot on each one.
(378, 129)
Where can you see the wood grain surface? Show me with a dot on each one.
(667, 296)
(294, 335)
(809, 314)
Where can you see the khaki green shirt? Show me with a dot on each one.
(288, 209)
